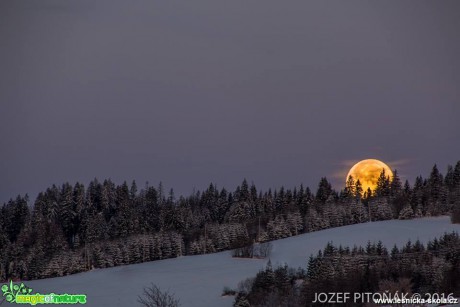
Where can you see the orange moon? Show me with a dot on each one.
(368, 172)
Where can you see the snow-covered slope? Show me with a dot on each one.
(198, 280)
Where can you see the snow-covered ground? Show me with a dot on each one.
(198, 280)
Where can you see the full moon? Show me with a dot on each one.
(368, 172)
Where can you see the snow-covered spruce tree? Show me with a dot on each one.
(278, 228)
(294, 222)
(125, 252)
(313, 221)
(223, 241)
(380, 209)
(117, 255)
(135, 254)
(334, 214)
(406, 213)
(158, 247)
(358, 213)
(240, 211)
(418, 211)
(99, 257)
(177, 244)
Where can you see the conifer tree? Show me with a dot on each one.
(350, 187)
(383, 185)
(358, 189)
(324, 191)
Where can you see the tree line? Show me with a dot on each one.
(73, 228)
(414, 268)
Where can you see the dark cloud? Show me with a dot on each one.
(215, 91)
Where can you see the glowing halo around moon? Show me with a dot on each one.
(368, 172)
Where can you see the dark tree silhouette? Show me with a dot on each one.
(153, 296)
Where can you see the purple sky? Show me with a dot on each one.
(193, 92)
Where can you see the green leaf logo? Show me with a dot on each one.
(11, 291)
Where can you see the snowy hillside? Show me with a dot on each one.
(198, 280)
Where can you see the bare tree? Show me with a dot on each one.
(153, 296)
(244, 252)
(245, 286)
(265, 249)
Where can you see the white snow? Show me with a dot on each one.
(198, 281)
